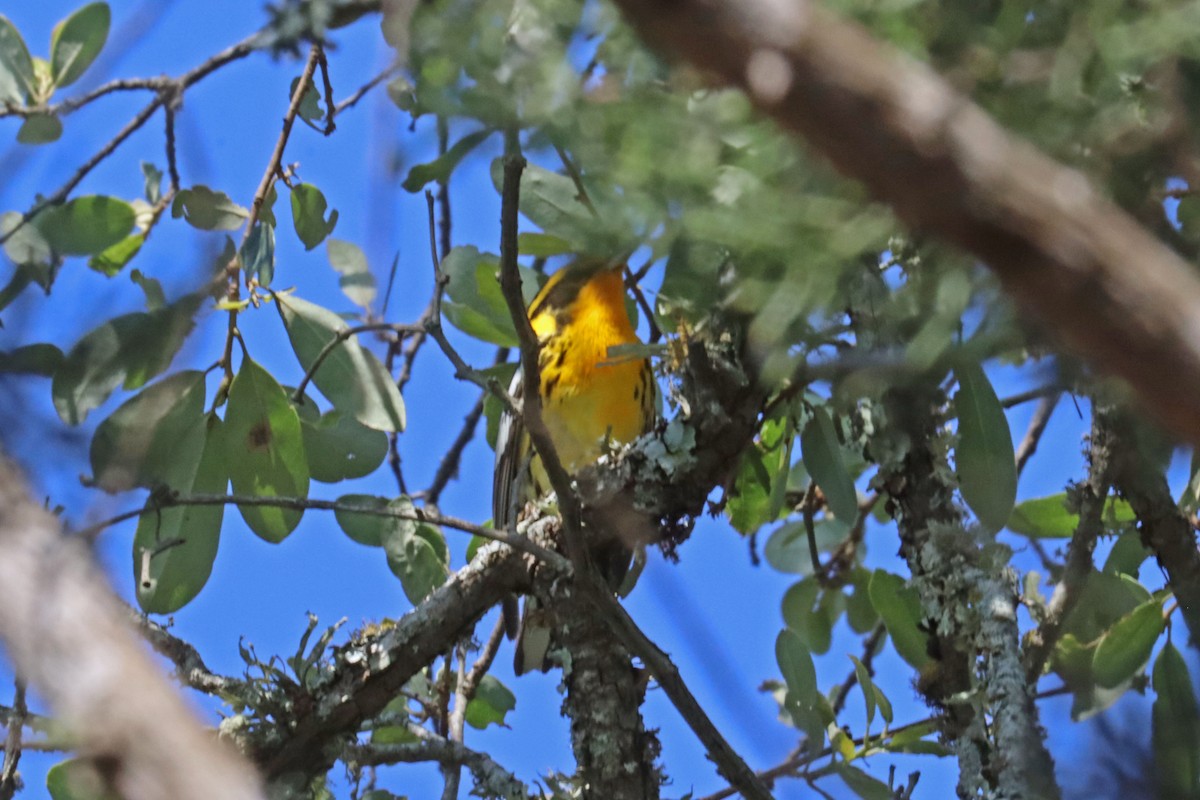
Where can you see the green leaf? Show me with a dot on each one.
(900, 609)
(77, 779)
(691, 285)
(155, 297)
(440, 168)
(868, 688)
(796, 665)
(17, 84)
(984, 459)
(152, 180)
(1126, 647)
(822, 455)
(40, 129)
(1127, 555)
(208, 210)
(352, 377)
(787, 547)
(113, 259)
(805, 614)
(416, 554)
(265, 449)
(127, 350)
(1104, 599)
(310, 101)
(339, 447)
(356, 279)
(308, 215)
(492, 701)
(476, 303)
(181, 542)
(76, 41)
(368, 528)
(258, 253)
(1176, 727)
(26, 245)
(1049, 518)
(136, 445)
(86, 225)
(32, 359)
(761, 482)
(541, 245)
(860, 613)
(864, 785)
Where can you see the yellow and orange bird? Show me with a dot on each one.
(589, 399)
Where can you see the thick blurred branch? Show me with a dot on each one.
(65, 632)
(1108, 288)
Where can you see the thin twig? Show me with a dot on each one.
(12, 743)
(323, 64)
(342, 336)
(361, 91)
(581, 193)
(1037, 426)
(448, 466)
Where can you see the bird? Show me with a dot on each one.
(591, 398)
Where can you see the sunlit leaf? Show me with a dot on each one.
(265, 449)
(113, 259)
(900, 609)
(86, 225)
(1126, 647)
(984, 459)
(76, 41)
(208, 210)
(492, 701)
(308, 215)
(761, 482)
(352, 377)
(16, 67)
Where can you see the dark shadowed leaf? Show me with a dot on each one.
(138, 444)
(258, 253)
(125, 351)
(76, 41)
(787, 548)
(208, 210)
(352, 377)
(984, 460)
(492, 701)
(416, 554)
(864, 785)
(368, 528)
(1176, 727)
(40, 129)
(1126, 647)
(900, 609)
(181, 542)
(32, 359)
(16, 66)
(86, 225)
(806, 614)
(265, 449)
(152, 182)
(308, 215)
(339, 447)
(822, 455)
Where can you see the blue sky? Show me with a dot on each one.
(715, 612)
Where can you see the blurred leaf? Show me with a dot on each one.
(761, 480)
(40, 129)
(1103, 600)
(86, 225)
(1049, 518)
(351, 376)
(864, 785)
(125, 351)
(1176, 727)
(900, 609)
(151, 288)
(310, 101)
(787, 546)
(868, 688)
(258, 254)
(16, 67)
(477, 305)
(822, 455)
(440, 168)
(541, 245)
(1127, 555)
(152, 182)
(308, 215)
(351, 264)
(26, 245)
(113, 259)
(76, 41)
(802, 699)
(984, 459)
(492, 701)
(208, 210)
(265, 449)
(32, 359)
(1126, 647)
(860, 612)
(137, 444)
(187, 535)
(77, 779)
(808, 617)
(340, 448)
(691, 285)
